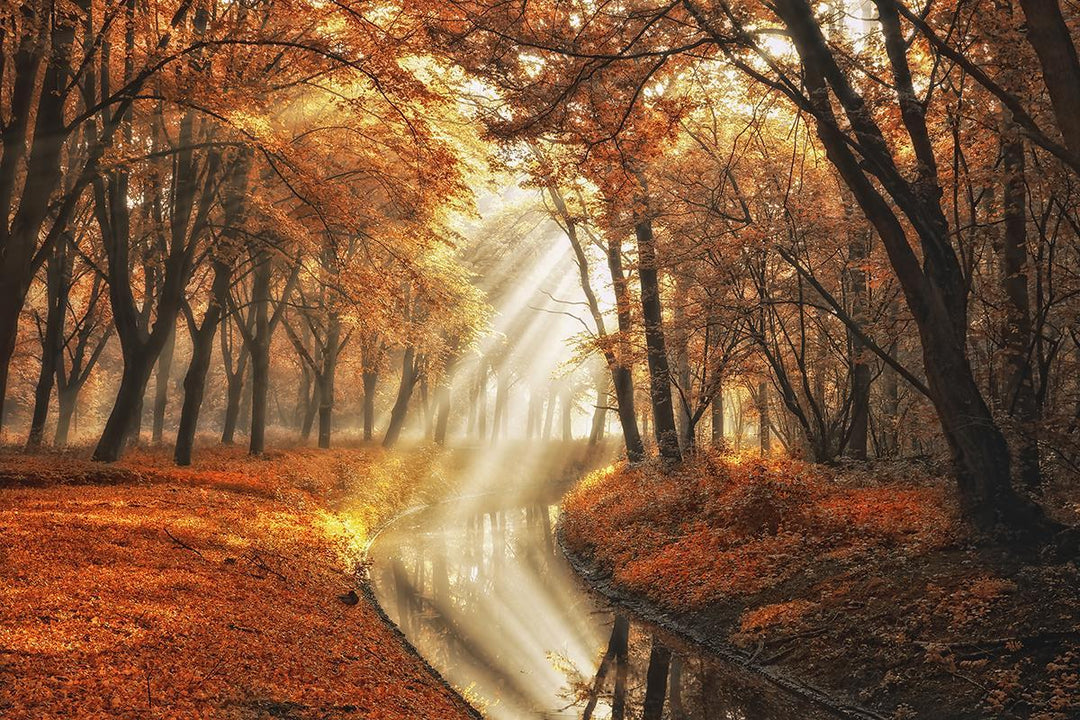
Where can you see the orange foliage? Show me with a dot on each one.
(206, 592)
(722, 527)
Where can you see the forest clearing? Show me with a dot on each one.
(659, 359)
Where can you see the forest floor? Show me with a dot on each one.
(860, 582)
(220, 591)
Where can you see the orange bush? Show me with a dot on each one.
(718, 527)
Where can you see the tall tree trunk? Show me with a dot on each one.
(58, 271)
(202, 348)
(233, 397)
(656, 681)
(1017, 393)
(717, 409)
(667, 435)
(858, 250)
(410, 372)
(125, 418)
(622, 373)
(371, 381)
(566, 405)
(161, 386)
(620, 641)
(260, 351)
(481, 397)
(1049, 35)
(764, 441)
(326, 386)
(498, 417)
(442, 412)
(599, 418)
(66, 401)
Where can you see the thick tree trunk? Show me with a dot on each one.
(1049, 35)
(260, 352)
(717, 409)
(858, 250)
(58, 282)
(1017, 392)
(11, 304)
(622, 373)
(764, 438)
(567, 406)
(656, 682)
(124, 419)
(234, 393)
(66, 401)
(667, 435)
(326, 384)
(202, 348)
(409, 375)
(599, 418)
(498, 417)
(161, 386)
(442, 412)
(371, 380)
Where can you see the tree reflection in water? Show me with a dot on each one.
(481, 590)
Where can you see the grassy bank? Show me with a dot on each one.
(863, 583)
(142, 590)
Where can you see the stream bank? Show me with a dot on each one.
(855, 585)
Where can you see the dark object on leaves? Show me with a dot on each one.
(349, 598)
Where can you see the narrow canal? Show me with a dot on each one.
(480, 587)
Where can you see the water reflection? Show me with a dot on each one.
(482, 591)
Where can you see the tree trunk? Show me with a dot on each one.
(371, 380)
(161, 386)
(260, 352)
(1017, 393)
(566, 405)
(442, 412)
(498, 417)
(858, 250)
(764, 441)
(622, 373)
(124, 418)
(409, 375)
(326, 386)
(202, 348)
(656, 682)
(66, 400)
(57, 281)
(667, 436)
(717, 429)
(596, 430)
(1050, 37)
(234, 394)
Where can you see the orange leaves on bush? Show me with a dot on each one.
(783, 613)
(719, 527)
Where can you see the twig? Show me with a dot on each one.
(184, 545)
(257, 559)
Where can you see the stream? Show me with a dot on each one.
(480, 588)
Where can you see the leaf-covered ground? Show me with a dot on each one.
(862, 582)
(140, 590)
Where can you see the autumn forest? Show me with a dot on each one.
(660, 359)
